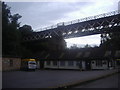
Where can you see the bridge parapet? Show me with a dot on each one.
(80, 20)
(103, 23)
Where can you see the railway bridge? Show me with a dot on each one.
(99, 24)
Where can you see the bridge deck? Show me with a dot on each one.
(109, 22)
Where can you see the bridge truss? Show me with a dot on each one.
(103, 23)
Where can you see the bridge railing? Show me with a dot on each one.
(80, 20)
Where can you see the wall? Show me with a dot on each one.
(9, 64)
(66, 66)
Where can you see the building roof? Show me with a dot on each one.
(80, 54)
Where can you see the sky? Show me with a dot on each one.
(45, 13)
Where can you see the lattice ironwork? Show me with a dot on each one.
(107, 22)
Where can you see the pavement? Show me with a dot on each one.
(109, 82)
(51, 78)
(89, 79)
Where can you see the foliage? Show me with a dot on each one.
(13, 35)
(87, 46)
(113, 42)
(25, 30)
(74, 46)
(25, 47)
(10, 33)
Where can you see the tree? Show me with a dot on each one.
(87, 46)
(111, 41)
(10, 33)
(74, 46)
(25, 30)
(5, 27)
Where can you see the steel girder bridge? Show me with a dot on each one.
(99, 24)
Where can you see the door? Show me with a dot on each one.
(41, 64)
(88, 65)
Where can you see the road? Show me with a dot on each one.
(47, 78)
(108, 82)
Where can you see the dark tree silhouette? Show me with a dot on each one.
(112, 41)
(25, 30)
(10, 33)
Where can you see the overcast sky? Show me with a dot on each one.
(43, 14)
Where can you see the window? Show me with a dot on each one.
(32, 63)
(77, 63)
(93, 62)
(11, 63)
(78, 55)
(104, 62)
(62, 54)
(99, 63)
(117, 53)
(70, 63)
(48, 62)
(107, 53)
(62, 63)
(55, 63)
(87, 54)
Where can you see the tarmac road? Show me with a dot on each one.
(108, 82)
(47, 78)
